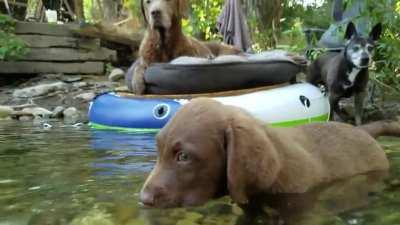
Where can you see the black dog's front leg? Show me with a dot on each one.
(359, 106)
(335, 108)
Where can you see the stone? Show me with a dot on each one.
(37, 112)
(39, 90)
(6, 111)
(80, 84)
(58, 112)
(116, 75)
(71, 114)
(25, 118)
(71, 78)
(87, 97)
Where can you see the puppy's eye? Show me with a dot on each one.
(370, 48)
(182, 157)
(148, 1)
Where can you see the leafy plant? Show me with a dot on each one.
(11, 47)
(386, 70)
(203, 17)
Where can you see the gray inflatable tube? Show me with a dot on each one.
(191, 75)
(165, 78)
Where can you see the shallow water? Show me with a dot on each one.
(72, 175)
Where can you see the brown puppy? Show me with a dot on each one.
(208, 150)
(164, 39)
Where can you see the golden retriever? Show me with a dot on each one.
(164, 39)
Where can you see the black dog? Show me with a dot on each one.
(345, 73)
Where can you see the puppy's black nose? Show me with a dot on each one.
(156, 13)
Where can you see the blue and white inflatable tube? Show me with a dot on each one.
(284, 106)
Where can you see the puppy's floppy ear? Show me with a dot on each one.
(183, 8)
(350, 31)
(143, 9)
(376, 32)
(252, 160)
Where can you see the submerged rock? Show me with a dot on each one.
(25, 118)
(87, 97)
(81, 84)
(93, 217)
(37, 112)
(58, 112)
(6, 111)
(39, 90)
(71, 78)
(71, 112)
(71, 115)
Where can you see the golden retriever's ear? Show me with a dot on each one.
(183, 8)
(252, 160)
(143, 9)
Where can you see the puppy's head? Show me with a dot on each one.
(359, 50)
(161, 14)
(208, 150)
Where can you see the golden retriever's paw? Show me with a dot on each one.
(138, 87)
(138, 83)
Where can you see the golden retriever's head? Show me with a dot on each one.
(162, 14)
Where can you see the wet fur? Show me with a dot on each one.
(230, 152)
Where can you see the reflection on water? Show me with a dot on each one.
(68, 175)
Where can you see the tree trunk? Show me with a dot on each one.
(79, 12)
(268, 14)
(112, 10)
(34, 10)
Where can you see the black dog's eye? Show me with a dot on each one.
(182, 157)
(370, 48)
(356, 48)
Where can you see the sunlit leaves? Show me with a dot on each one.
(11, 47)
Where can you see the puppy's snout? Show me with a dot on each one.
(147, 198)
(150, 195)
(156, 13)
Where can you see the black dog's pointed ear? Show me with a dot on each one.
(142, 8)
(376, 32)
(350, 31)
(252, 160)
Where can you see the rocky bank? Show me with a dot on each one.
(67, 97)
(54, 96)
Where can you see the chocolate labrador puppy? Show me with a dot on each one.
(209, 150)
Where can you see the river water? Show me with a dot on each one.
(74, 175)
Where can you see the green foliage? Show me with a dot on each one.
(386, 70)
(203, 17)
(133, 5)
(261, 38)
(11, 47)
(294, 36)
(387, 56)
